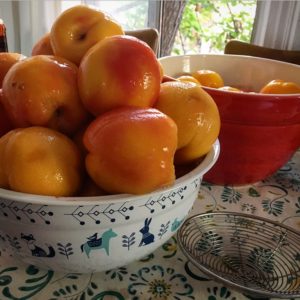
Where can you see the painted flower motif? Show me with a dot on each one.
(272, 207)
(2, 238)
(117, 273)
(39, 277)
(252, 192)
(170, 247)
(262, 258)
(159, 288)
(157, 282)
(217, 293)
(194, 272)
(206, 184)
(210, 242)
(230, 195)
(298, 206)
(289, 180)
(249, 208)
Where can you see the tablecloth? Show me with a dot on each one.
(166, 273)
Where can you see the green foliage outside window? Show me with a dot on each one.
(207, 25)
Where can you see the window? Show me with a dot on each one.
(274, 23)
(207, 25)
(131, 14)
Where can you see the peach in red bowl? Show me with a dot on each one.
(259, 132)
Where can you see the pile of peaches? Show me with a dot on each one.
(212, 79)
(89, 113)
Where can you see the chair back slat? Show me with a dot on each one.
(243, 48)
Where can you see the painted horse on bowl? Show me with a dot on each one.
(95, 243)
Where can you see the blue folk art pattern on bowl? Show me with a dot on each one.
(28, 243)
(97, 214)
(101, 230)
(26, 211)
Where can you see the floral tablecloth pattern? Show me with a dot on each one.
(165, 274)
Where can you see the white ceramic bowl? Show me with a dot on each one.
(90, 234)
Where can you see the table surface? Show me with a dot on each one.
(165, 274)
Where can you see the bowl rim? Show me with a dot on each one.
(252, 94)
(206, 164)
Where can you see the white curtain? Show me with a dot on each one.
(27, 21)
(277, 24)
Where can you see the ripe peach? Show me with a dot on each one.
(42, 91)
(79, 28)
(279, 86)
(196, 115)
(5, 123)
(43, 46)
(41, 161)
(161, 71)
(78, 140)
(188, 78)
(119, 70)
(4, 181)
(208, 78)
(131, 150)
(167, 78)
(229, 89)
(7, 60)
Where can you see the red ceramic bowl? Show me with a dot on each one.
(259, 132)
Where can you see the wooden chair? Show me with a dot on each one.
(148, 35)
(242, 48)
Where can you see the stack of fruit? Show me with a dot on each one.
(88, 114)
(213, 79)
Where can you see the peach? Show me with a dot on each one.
(43, 46)
(279, 86)
(79, 28)
(7, 60)
(42, 91)
(188, 78)
(161, 71)
(131, 150)
(229, 89)
(208, 78)
(167, 78)
(78, 140)
(5, 122)
(196, 116)
(4, 183)
(41, 161)
(119, 70)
